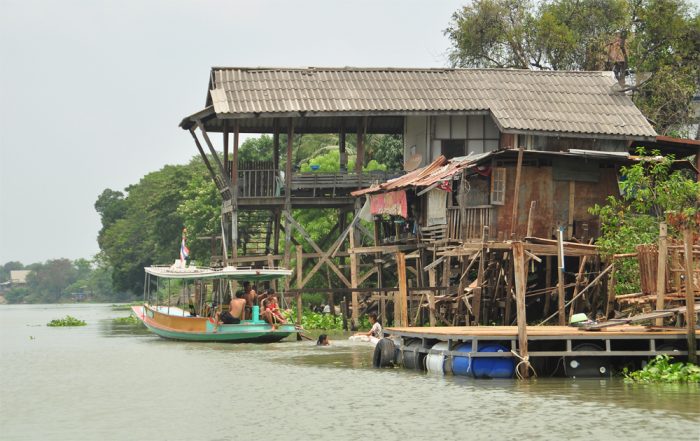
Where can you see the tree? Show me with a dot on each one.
(650, 193)
(7, 268)
(653, 46)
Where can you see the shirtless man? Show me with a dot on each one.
(249, 295)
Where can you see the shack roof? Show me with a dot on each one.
(443, 169)
(520, 101)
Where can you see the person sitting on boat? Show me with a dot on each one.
(376, 330)
(236, 308)
(226, 318)
(272, 311)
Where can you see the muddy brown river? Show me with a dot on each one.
(118, 382)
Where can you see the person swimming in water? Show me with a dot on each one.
(323, 340)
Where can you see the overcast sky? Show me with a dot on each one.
(91, 92)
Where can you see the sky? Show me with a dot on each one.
(92, 92)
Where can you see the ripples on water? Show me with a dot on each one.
(115, 382)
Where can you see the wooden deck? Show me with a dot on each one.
(469, 332)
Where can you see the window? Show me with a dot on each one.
(498, 186)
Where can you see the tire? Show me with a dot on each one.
(384, 354)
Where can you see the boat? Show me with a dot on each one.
(198, 324)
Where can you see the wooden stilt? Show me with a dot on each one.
(354, 280)
(401, 302)
(547, 284)
(690, 295)
(661, 271)
(432, 278)
(560, 275)
(520, 287)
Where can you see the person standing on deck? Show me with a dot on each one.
(250, 296)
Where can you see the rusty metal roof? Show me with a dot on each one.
(519, 100)
(443, 169)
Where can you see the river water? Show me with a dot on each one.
(115, 382)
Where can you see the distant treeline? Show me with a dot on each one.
(61, 280)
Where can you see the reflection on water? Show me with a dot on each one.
(113, 381)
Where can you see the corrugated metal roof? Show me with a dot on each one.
(520, 100)
(443, 169)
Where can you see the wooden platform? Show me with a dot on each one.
(551, 341)
(468, 332)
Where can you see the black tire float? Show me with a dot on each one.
(384, 353)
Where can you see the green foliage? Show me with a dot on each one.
(60, 280)
(649, 192)
(662, 370)
(657, 42)
(256, 149)
(67, 321)
(326, 322)
(128, 320)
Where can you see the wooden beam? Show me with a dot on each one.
(226, 139)
(360, 158)
(204, 156)
(516, 193)
(401, 303)
(531, 218)
(341, 147)
(690, 295)
(520, 287)
(570, 221)
(661, 271)
(234, 188)
(288, 166)
(354, 281)
(560, 277)
(432, 280)
(275, 145)
(213, 153)
(324, 256)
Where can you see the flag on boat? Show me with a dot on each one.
(184, 251)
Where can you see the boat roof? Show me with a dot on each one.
(230, 272)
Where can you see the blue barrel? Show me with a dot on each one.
(483, 367)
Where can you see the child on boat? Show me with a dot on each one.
(272, 311)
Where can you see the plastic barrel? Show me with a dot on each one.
(587, 366)
(412, 359)
(481, 367)
(435, 363)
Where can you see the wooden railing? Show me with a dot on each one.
(472, 226)
(269, 183)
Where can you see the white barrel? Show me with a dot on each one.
(435, 362)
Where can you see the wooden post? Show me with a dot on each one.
(275, 147)
(520, 287)
(570, 220)
(476, 303)
(577, 282)
(402, 298)
(341, 148)
(516, 194)
(548, 284)
(690, 295)
(611, 292)
(661, 271)
(288, 165)
(344, 313)
(560, 276)
(226, 136)
(360, 159)
(353, 280)
(432, 278)
(271, 264)
(531, 218)
(378, 265)
(234, 186)
(300, 266)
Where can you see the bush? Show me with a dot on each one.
(661, 370)
(67, 321)
(129, 320)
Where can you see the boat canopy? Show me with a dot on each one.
(229, 272)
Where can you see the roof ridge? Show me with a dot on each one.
(407, 69)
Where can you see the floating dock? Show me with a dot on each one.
(585, 353)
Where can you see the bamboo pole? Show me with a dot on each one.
(690, 295)
(661, 271)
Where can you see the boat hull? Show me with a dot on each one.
(205, 330)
